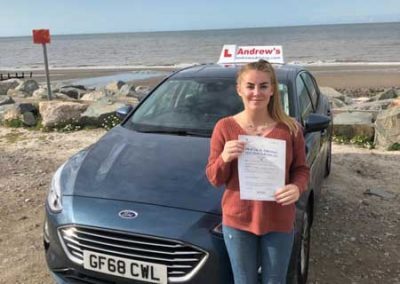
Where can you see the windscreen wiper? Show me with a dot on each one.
(179, 132)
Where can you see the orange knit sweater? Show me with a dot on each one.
(258, 217)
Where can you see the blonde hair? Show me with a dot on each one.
(274, 106)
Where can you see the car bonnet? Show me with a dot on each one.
(159, 169)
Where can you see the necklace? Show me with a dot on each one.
(258, 129)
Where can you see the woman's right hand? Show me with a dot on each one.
(232, 150)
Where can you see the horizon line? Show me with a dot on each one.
(210, 29)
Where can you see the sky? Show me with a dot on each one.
(19, 17)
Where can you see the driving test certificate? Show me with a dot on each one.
(261, 167)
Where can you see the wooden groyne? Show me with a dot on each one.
(14, 76)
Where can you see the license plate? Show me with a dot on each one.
(124, 267)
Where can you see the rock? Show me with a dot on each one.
(40, 93)
(353, 123)
(24, 112)
(333, 94)
(387, 127)
(98, 112)
(4, 100)
(379, 192)
(142, 91)
(62, 97)
(93, 96)
(28, 86)
(11, 114)
(73, 92)
(114, 87)
(374, 105)
(395, 103)
(336, 103)
(29, 119)
(388, 94)
(57, 113)
(127, 91)
(8, 84)
(26, 107)
(17, 93)
(4, 109)
(80, 87)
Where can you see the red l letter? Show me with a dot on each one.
(227, 54)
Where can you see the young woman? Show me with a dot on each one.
(258, 230)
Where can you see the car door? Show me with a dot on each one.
(308, 102)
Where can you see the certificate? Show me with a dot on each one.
(261, 167)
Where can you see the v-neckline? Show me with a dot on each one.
(265, 134)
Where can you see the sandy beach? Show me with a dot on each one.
(335, 76)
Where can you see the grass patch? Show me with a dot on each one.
(359, 140)
(394, 147)
(13, 123)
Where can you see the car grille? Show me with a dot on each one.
(182, 260)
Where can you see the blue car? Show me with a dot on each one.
(136, 207)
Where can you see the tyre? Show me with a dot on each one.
(298, 268)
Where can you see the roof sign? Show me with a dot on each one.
(243, 54)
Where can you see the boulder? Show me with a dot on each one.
(373, 106)
(73, 92)
(388, 94)
(8, 84)
(127, 91)
(332, 94)
(93, 96)
(97, 113)
(395, 103)
(25, 112)
(4, 100)
(17, 93)
(387, 127)
(28, 86)
(40, 93)
(142, 91)
(354, 123)
(59, 113)
(4, 109)
(336, 103)
(114, 87)
(29, 119)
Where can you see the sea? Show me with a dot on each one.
(321, 44)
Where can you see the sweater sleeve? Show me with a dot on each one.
(299, 171)
(217, 171)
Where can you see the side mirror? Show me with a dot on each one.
(316, 122)
(123, 111)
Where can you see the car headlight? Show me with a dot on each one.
(54, 197)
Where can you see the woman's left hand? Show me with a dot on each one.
(288, 194)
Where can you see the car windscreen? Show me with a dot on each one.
(189, 106)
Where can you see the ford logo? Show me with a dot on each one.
(128, 214)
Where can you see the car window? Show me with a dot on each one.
(194, 104)
(304, 99)
(188, 104)
(283, 90)
(309, 82)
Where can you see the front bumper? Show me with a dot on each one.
(186, 227)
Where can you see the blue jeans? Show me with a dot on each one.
(247, 251)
